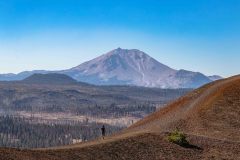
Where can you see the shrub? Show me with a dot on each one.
(178, 137)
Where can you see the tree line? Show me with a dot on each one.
(23, 133)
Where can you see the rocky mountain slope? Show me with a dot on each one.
(134, 67)
(127, 67)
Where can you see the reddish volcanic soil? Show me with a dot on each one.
(212, 111)
(210, 116)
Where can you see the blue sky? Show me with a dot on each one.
(201, 35)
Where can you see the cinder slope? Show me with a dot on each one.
(150, 146)
(209, 115)
(212, 110)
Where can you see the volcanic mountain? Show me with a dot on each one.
(127, 67)
(209, 116)
(134, 67)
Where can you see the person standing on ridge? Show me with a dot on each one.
(103, 131)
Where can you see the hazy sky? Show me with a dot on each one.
(201, 35)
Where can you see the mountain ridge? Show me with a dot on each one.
(127, 67)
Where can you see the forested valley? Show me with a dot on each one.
(21, 132)
(36, 114)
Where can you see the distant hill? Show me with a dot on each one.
(215, 77)
(49, 78)
(126, 67)
(20, 76)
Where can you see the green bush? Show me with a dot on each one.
(178, 137)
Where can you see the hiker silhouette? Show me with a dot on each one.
(103, 131)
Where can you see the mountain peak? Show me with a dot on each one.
(128, 55)
(134, 67)
(129, 67)
(125, 51)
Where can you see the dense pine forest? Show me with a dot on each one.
(27, 133)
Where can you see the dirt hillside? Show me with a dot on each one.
(212, 110)
(210, 117)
